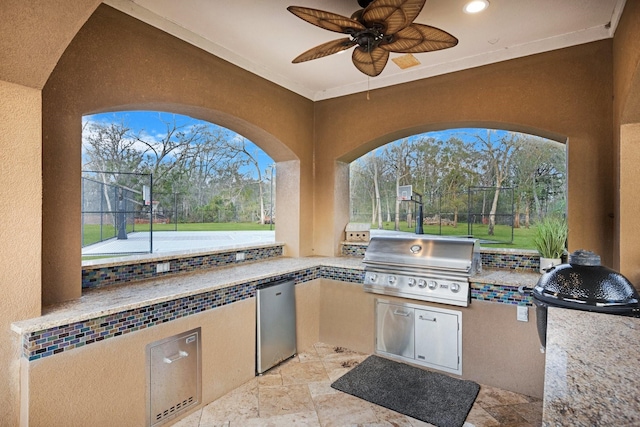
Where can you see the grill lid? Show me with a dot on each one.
(422, 252)
(585, 284)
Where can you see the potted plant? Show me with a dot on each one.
(550, 240)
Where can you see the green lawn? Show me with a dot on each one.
(91, 233)
(522, 237)
(205, 226)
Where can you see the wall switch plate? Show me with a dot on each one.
(523, 313)
(239, 256)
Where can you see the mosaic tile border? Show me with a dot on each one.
(503, 294)
(353, 250)
(511, 261)
(96, 276)
(41, 344)
(490, 259)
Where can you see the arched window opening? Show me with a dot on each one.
(161, 182)
(494, 185)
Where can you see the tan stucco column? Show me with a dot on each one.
(294, 203)
(331, 205)
(630, 202)
(20, 230)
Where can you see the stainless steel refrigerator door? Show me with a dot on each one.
(276, 324)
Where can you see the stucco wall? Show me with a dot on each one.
(105, 384)
(37, 32)
(118, 63)
(20, 216)
(564, 94)
(626, 120)
(497, 349)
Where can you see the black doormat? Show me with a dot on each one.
(427, 396)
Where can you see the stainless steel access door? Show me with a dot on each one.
(395, 329)
(437, 339)
(276, 323)
(173, 376)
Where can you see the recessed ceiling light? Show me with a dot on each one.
(476, 6)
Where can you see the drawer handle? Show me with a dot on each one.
(424, 318)
(175, 357)
(401, 313)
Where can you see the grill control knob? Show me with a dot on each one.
(455, 287)
(412, 282)
(392, 280)
(373, 277)
(432, 284)
(422, 283)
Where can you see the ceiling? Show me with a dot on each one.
(263, 37)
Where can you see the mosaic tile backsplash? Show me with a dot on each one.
(499, 293)
(93, 277)
(490, 259)
(56, 340)
(52, 341)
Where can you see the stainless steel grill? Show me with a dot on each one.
(435, 269)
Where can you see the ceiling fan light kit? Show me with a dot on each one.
(381, 27)
(476, 6)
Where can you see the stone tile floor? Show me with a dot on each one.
(299, 393)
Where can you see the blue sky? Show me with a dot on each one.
(151, 126)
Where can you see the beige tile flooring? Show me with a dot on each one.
(298, 393)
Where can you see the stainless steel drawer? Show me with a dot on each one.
(173, 376)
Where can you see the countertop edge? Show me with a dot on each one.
(245, 273)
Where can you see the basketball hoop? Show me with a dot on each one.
(405, 193)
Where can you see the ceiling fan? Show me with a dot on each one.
(382, 26)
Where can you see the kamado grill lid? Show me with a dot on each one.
(587, 285)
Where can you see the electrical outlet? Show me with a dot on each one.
(239, 256)
(163, 267)
(523, 313)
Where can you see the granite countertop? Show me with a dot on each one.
(127, 296)
(592, 363)
(117, 298)
(507, 277)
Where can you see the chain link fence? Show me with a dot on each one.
(113, 203)
(460, 214)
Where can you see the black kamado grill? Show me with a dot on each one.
(583, 284)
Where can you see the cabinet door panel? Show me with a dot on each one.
(437, 338)
(395, 329)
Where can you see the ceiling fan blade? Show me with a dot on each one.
(393, 14)
(325, 49)
(370, 63)
(327, 20)
(419, 38)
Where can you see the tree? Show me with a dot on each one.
(539, 172)
(398, 157)
(238, 147)
(109, 151)
(497, 151)
(192, 165)
(459, 169)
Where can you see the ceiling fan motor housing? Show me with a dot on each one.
(381, 27)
